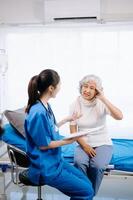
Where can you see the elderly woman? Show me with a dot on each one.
(94, 151)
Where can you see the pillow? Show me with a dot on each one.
(16, 118)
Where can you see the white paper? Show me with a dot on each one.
(83, 133)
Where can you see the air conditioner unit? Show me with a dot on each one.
(71, 10)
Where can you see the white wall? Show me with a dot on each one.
(117, 10)
(21, 12)
(16, 12)
(3, 69)
(104, 51)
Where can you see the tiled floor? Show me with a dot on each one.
(112, 188)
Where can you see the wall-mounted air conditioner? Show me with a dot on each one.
(71, 10)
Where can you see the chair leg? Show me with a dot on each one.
(39, 193)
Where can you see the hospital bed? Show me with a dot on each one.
(122, 158)
(121, 163)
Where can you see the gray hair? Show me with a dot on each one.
(88, 78)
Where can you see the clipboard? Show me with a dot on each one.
(83, 133)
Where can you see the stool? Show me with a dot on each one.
(23, 177)
(19, 159)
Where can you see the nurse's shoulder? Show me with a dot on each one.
(37, 110)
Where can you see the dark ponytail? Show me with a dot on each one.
(1, 129)
(33, 93)
(39, 84)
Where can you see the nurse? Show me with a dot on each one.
(44, 144)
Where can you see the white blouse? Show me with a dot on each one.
(93, 115)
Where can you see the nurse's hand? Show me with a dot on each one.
(73, 117)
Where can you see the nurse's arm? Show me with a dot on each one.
(55, 144)
(70, 118)
(62, 122)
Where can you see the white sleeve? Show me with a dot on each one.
(107, 111)
(103, 108)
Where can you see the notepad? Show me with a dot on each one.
(83, 133)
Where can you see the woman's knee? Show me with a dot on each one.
(77, 162)
(80, 160)
(97, 165)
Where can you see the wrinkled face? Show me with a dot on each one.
(88, 90)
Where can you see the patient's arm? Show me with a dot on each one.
(114, 111)
(88, 149)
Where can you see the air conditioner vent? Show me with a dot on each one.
(71, 10)
(74, 18)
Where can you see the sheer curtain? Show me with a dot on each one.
(106, 52)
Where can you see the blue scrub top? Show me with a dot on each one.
(40, 128)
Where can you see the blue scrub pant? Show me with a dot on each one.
(73, 183)
(94, 167)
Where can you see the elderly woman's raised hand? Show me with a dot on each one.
(99, 94)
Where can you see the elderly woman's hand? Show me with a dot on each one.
(99, 93)
(89, 150)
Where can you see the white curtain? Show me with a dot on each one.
(106, 52)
